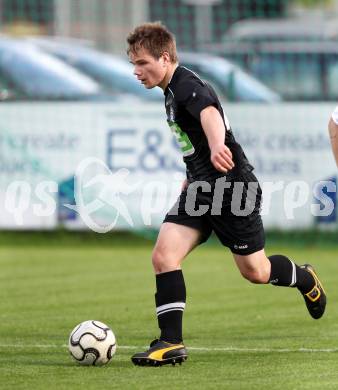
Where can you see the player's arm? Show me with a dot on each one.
(214, 129)
(333, 131)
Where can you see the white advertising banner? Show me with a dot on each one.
(109, 166)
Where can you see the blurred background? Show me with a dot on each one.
(273, 40)
(67, 92)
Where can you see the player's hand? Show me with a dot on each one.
(221, 158)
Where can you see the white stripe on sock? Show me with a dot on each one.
(166, 311)
(294, 275)
(175, 305)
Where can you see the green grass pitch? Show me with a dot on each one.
(242, 336)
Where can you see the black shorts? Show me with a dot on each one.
(231, 210)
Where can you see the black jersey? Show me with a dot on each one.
(185, 97)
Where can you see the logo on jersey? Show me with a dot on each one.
(187, 148)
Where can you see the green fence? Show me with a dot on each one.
(186, 17)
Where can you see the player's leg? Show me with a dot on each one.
(244, 235)
(174, 243)
(254, 267)
(279, 270)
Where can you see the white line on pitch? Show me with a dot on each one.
(198, 349)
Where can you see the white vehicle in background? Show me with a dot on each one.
(229, 80)
(116, 74)
(113, 73)
(27, 73)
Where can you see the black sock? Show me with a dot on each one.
(285, 272)
(170, 303)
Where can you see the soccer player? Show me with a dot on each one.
(211, 154)
(333, 131)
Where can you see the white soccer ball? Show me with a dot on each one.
(92, 343)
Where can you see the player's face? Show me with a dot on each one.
(149, 70)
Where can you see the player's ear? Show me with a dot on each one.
(165, 58)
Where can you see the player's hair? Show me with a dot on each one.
(155, 38)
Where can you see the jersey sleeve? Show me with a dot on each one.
(195, 97)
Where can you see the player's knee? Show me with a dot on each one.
(161, 260)
(255, 275)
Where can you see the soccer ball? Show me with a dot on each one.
(92, 343)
